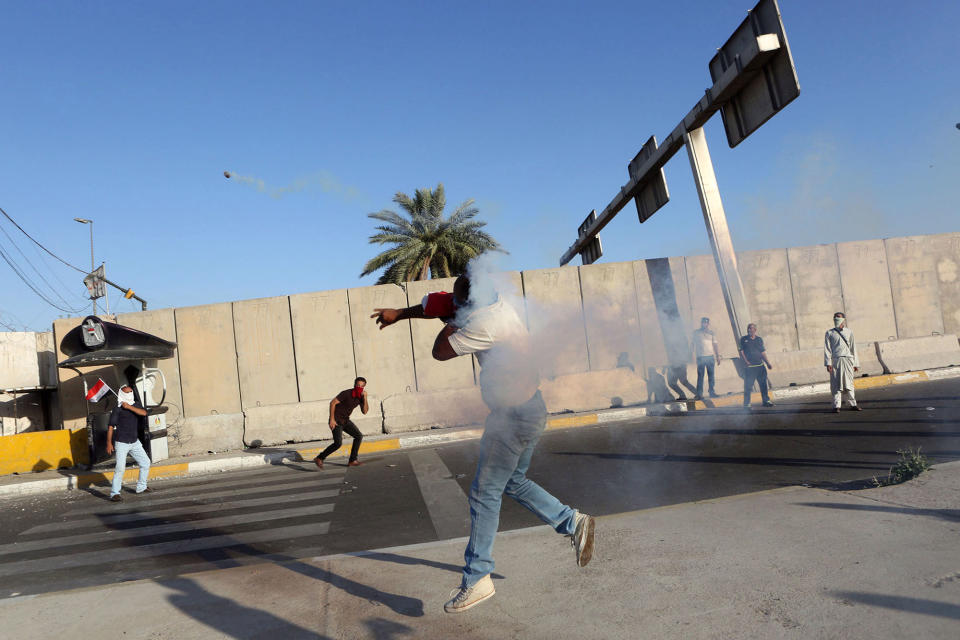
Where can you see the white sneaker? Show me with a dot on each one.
(582, 538)
(471, 596)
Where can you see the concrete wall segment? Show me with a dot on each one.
(265, 360)
(426, 409)
(914, 284)
(555, 319)
(610, 310)
(302, 422)
(915, 354)
(323, 343)
(208, 360)
(208, 434)
(706, 299)
(867, 299)
(766, 282)
(817, 292)
(384, 358)
(945, 252)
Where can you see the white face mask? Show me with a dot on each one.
(838, 322)
(125, 396)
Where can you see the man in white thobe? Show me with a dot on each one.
(840, 358)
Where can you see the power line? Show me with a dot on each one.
(37, 271)
(27, 282)
(38, 244)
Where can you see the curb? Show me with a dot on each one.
(247, 460)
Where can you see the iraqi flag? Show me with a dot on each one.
(98, 390)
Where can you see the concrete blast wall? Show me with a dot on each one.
(237, 360)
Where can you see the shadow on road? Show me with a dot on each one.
(763, 461)
(952, 515)
(902, 603)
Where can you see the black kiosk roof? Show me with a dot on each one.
(97, 342)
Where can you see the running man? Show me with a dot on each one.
(340, 409)
(509, 384)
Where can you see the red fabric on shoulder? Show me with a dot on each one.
(439, 305)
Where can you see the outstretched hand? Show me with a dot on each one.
(386, 317)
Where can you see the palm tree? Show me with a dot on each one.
(427, 245)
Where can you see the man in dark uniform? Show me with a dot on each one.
(122, 436)
(340, 409)
(754, 356)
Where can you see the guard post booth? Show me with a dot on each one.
(131, 356)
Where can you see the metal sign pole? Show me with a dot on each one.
(719, 233)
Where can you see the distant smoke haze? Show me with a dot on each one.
(322, 180)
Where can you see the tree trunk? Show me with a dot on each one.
(425, 272)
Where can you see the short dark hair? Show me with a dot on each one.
(704, 319)
(462, 286)
(839, 314)
(359, 378)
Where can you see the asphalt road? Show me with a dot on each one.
(77, 539)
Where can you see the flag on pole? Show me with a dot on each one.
(98, 390)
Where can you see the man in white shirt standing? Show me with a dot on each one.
(509, 383)
(707, 354)
(840, 359)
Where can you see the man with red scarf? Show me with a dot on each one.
(340, 409)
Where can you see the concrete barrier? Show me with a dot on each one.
(610, 310)
(594, 390)
(203, 434)
(207, 352)
(42, 450)
(945, 249)
(265, 363)
(555, 319)
(323, 343)
(817, 294)
(447, 408)
(914, 354)
(913, 282)
(384, 358)
(867, 299)
(766, 282)
(301, 422)
(793, 368)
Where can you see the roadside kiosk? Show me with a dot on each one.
(124, 356)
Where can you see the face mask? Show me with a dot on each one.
(125, 396)
(838, 322)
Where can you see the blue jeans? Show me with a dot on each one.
(135, 449)
(505, 451)
(705, 362)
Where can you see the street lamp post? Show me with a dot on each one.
(92, 265)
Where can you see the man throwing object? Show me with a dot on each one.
(509, 384)
(340, 409)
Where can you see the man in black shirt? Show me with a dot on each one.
(754, 356)
(122, 436)
(340, 409)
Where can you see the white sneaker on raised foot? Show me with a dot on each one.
(467, 597)
(582, 538)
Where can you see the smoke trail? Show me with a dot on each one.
(323, 180)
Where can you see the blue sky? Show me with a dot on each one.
(129, 112)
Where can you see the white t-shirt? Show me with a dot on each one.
(508, 374)
(703, 342)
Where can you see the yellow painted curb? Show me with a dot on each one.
(572, 421)
(42, 450)
(389, 444)
(734, 400)
(131, 474)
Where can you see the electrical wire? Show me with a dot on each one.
(37, 271)
(38, 244)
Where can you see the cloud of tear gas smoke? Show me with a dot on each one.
(323, 180)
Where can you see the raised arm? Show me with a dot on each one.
(387, 317)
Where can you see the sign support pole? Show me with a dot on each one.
(716, 221)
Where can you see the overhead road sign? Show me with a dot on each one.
(592, 250)
(747, 64)
(765, 93)
(651, 191)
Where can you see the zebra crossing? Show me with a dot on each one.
(199, 523)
